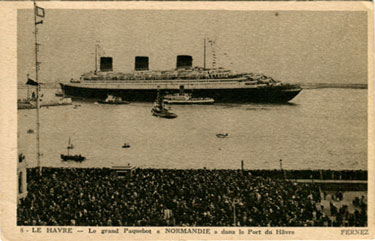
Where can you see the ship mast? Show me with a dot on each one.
(204, 54)
(28, 94)
(37, 63)
(96, 58)
(69, 146)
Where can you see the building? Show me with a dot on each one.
(21, 177)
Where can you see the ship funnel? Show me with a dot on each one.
(106, 64)
(184, 62)
(141, 63)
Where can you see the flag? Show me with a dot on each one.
(31, 82)
(39, 12)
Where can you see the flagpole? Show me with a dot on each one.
(37, 90)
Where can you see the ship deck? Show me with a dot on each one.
(176, 84)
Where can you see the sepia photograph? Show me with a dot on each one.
(189, 118)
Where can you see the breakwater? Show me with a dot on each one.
(333, 85)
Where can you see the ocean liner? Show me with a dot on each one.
(221, 84)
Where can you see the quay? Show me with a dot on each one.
(337, 185)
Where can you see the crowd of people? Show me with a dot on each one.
(314, 174)
(342, 216)
(166, 197)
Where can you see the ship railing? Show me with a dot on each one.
(126, 81)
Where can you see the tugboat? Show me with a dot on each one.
(186, 99)
(221, 135)
(126, 145)
(113, 100)
(159, 109)
(76, 158)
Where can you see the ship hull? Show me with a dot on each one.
(188, 102)
(165, 115)
(271, 94)
(113, 103)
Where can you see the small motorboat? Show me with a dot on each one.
(77, 158)
(126, 145)
(221, 135)
(113, 100)
(56, 102)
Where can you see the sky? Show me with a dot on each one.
(290, 46)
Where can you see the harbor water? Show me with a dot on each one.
(319, 129)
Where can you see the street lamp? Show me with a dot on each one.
(234, 202)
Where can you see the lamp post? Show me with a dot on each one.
(281, 168)
(234, 202)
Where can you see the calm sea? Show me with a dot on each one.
(319, 129)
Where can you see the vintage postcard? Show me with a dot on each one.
(187, 120)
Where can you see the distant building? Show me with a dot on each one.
(21, 177)
(124, 171)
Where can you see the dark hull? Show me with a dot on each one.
(166, 115)
(113, 103)
(188, 102)
(273, 94)
(72, 158)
